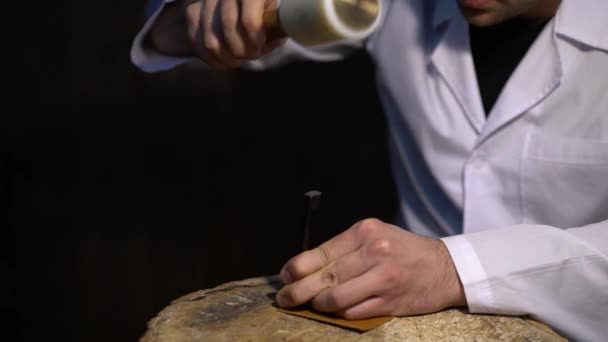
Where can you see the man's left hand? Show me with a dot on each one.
(373, 269)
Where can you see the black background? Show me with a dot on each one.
(122, 191)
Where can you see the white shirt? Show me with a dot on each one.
(521, 195)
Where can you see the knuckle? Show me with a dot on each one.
(212, 45)
(330, 277)
(325, 253)
(238, 52)
(330, 301)
(390, 275)
(250, 23)
(229, 20)
(333, 300)
(369, 226)
(380, 248)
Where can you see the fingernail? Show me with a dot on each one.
(286, 277)
(282, 299)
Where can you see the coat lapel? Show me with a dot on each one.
(451, 57)
(534, 79)
(538, 74)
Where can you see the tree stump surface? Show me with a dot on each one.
(246, 311)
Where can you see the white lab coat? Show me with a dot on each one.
(520, 198)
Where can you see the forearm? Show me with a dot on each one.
(169, 34)
(165, 41)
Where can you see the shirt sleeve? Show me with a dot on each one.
(558, 276)
(151, 61)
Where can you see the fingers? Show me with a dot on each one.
(373, 269)
(242, 27)
(352, 292)
(304, 290)
(339, 272)
(231, 28)
(226, 33)
(232, 31)
(313, 260)
(252, 23)
(214, 51)
(347, 242)
(368, 308)
(211, 41)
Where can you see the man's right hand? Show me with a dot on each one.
(222, 33)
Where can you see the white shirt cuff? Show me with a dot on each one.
(471, 272)
(149, 60)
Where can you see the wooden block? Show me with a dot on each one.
(246, 310)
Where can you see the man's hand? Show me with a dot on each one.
(222, 33)
(373, 269)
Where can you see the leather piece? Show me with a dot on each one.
(361, 325)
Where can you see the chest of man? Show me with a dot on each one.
(541, 153)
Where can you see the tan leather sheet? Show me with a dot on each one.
(358, 325)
